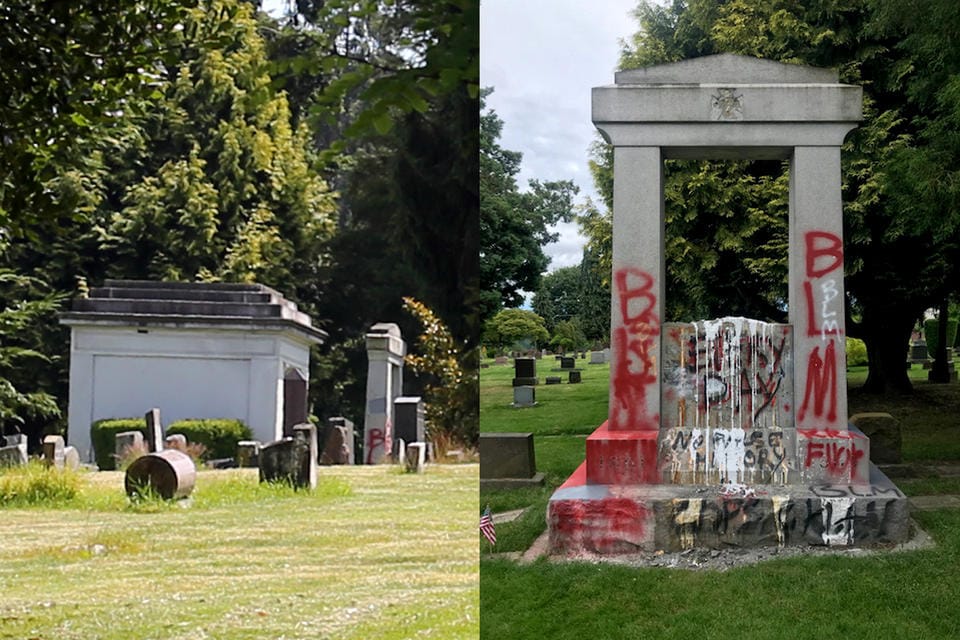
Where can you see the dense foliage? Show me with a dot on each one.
(330, 154)
(726, 224)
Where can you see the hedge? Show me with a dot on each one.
(103, 435)
(219, 435)
(931, 334)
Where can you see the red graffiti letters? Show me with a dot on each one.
(839, 458)
(635, 366)
(824, 316)
(824, 253)
(821, 383)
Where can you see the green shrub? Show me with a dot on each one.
(932, 336)
(856, 352)
(34, 484)
(103, 435)
(219, 435)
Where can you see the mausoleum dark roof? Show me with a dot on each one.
(145, 303)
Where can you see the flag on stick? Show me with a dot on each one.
(486, 526)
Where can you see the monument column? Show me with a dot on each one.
(636, 289)
(385, 352)
(816, 289)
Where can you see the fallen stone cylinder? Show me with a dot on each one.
(170, 473)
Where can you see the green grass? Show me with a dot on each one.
(584, 405)
(894, 595)
(370, 554)
(790, 598)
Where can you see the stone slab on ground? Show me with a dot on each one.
(601, 518)
(932, 503)
(720, 559)
(512, 483)
(508, 516)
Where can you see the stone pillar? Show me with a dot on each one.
(816, 288)
(385, 352)
(624, 449)
(637, 291)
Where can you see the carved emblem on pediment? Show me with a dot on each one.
(726, 105)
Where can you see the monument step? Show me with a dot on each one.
(688, 456)
(607, 518)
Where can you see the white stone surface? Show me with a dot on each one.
(122, 371)
(385, 352)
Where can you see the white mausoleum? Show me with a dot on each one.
(193, 350)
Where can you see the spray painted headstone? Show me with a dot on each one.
(753, 414)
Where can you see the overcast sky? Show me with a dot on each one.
(542, 57)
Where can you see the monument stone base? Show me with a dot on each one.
(609, 519)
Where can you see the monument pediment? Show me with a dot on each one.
(727, 68)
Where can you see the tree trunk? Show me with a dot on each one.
(940, 372)
(888, 338)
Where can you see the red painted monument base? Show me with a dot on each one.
(621, 457)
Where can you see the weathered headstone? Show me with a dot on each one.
(248, 453)
(507, 461)
(176, 441)
(126, 442)
(524, 372)
(415, 458)
(573, 377)
(71, 458)
(596, 357)
(501, 360)
(554, 380)
(154, 430)
(53, 451)
(337, 447)
(305, 444)
(568, 362)
(524, 396)
(170, 474)
(606, 354)
(409, 419)
(291, 460)
(12, 456)
(18, 440)
(918, 352)
(399, 453)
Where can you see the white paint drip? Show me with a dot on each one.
(780, 516)
(837, 527)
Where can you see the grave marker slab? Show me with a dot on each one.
(71, 458)
(410, 416)
(507, 460)
(53, 455)
(524, 396)
(154, 430)
(248, 453)
(12, 456)
(525, 372)
(337, 442)
(125, 442)
(415, 458)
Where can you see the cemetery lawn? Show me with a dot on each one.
(888, 595)
(372, 553)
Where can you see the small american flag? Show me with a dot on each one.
(486, 526)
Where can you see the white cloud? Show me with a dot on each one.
(542, 57)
